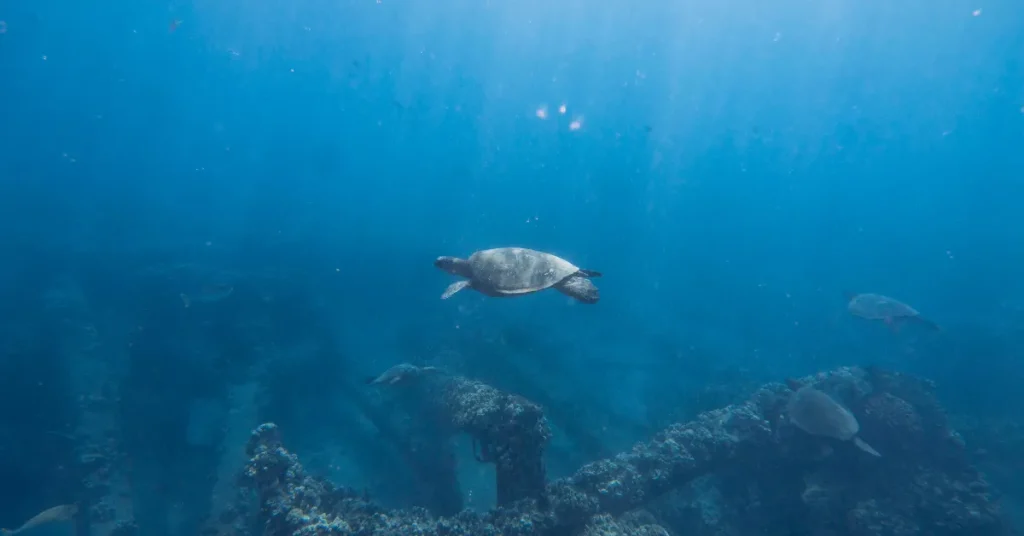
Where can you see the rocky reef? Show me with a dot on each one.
(736, 470)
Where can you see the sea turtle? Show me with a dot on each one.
(514, 271)
(891, 311)
(819, 414)
(400, 372)
(64, 512)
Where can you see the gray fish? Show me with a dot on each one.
(64, 512)
(400, 372)
(891, 311)
(819, 414)
(515, 271)
(207, 294)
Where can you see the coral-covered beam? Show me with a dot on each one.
(923, 468)
(675, 456)
(511, 433)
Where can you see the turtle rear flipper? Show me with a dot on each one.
(580, 288)
(453, 288)
(927, 323)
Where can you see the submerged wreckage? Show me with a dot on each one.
(746, 469)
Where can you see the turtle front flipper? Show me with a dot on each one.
(453, 288)
(862, 445)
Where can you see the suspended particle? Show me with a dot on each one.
(542, 112)
(976, 12)
(576, 124)
(561, 109)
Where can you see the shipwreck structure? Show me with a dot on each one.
(733, 470)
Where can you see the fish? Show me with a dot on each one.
(819, 414)
(64, 512)
(889, 310)
(207, 294)
(173, 25)
(400, 372)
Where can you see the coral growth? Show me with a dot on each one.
(510, 430)
(746, 468)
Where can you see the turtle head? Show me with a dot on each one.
(454, 266)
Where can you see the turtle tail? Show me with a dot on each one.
(590, 273)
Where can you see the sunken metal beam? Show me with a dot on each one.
(511, 432)
(897, 414)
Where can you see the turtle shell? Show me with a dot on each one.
(518, 270)
(877, 307)
(819, 414)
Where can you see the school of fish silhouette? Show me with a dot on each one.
(770, 475)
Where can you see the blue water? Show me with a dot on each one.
(736, 168)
